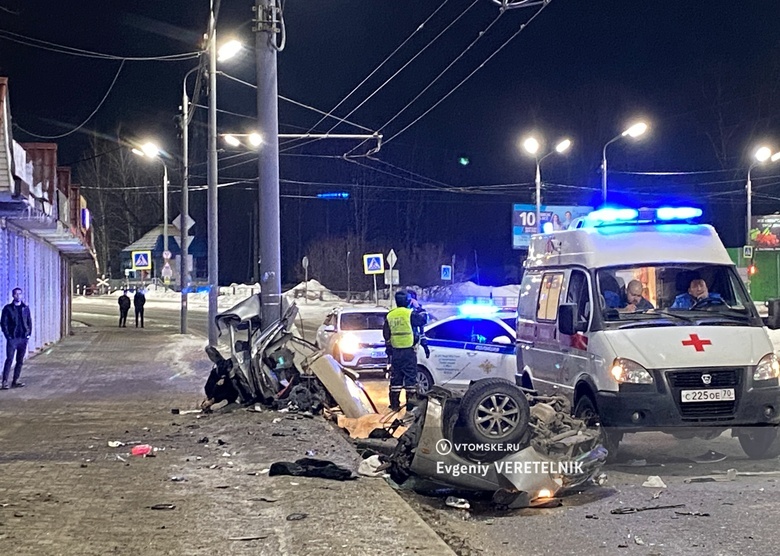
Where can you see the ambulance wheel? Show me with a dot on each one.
(495, 412)
(759, 442)
(424, 380)
(585, 409)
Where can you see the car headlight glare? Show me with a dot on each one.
(349, 343)
(625, 371)
(768, 367)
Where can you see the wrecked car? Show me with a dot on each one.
(269, 364)
(525, 449)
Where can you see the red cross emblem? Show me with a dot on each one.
(697, 342)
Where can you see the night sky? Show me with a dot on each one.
(704, 74)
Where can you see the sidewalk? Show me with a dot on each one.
(63, 490)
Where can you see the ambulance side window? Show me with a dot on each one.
(549, 296)
(579, 294)
(527, 301)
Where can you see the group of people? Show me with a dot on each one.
(403, 331)
(636, 302)
(139, 300)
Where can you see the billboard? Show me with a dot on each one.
(524, 220)
(765, 232)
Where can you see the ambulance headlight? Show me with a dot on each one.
(767, 368)
(630, 372)
(349, 343)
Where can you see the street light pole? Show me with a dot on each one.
(184, 271)
(165, 206)
(538, 196)
(634, 131)
(212, 199)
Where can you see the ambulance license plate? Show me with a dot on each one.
(709, 395)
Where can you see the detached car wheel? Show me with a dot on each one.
(424, 380)
(585, 409)
(759, 442)
(494, 412)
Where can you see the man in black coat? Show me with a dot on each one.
(124, 308)
(16, 324)
(139, 300)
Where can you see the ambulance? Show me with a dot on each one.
(689, 355)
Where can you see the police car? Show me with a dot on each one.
(477, 343)
(353, 336)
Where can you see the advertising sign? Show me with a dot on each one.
(524, 220)
(765, 232)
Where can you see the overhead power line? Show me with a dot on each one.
(71, 51)
(82, 124)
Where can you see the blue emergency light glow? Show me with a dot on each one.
(677, 213)
(613, 215)
(337, 195)
(477, 310)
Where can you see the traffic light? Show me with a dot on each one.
(752, 270)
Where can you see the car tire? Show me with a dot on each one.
(493, 411)
(759, 442)
(424, 380)
(585, 409)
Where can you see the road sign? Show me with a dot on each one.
(167, 271)
(142, 260)
(446, 272)
(374, 263)
(747, 252)
(167, 255)
(188, 221)
(391, 258)
(396, 279)
(102, 281)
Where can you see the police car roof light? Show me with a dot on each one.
(477, 310)
(613, 215)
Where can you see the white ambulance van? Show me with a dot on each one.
(689, 355)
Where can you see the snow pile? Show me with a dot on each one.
(312, 290)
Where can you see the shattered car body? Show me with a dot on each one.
(276, 368)
(524, 449)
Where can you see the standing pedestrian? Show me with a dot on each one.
(400, 338)
(16, 323)
(139, 300)
(419, 332)
(124, 308)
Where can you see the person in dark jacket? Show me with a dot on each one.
(139, 300)
(16, 323)
(124, 308)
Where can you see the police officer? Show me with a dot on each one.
(400, 338)
(419, 332)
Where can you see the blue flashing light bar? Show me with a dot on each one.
(477, 310)
(677, 213)
(615, 215)
(336, 195)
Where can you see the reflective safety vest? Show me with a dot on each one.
(400, 322)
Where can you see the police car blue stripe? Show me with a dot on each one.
(471, 346)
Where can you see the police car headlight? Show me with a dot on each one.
(349, 343)
(631, 372)
(767, 368)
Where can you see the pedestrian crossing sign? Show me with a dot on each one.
(374, 263)
(142, 260)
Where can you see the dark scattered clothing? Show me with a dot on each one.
(16, 321)
(14, 347)
(310, 467)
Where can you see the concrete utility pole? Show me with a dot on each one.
(213, 212)
(269, 29)
(184, 270)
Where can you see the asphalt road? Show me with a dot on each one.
(728, 517)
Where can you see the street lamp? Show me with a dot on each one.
(634, 131)
(531, 146)
(150, 150)
(761, 155)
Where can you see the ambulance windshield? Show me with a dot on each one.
(678, 293)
